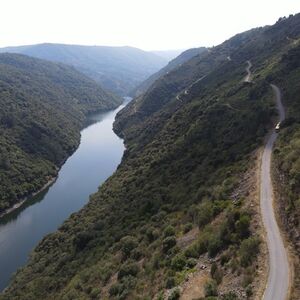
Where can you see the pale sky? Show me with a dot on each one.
(146, 24)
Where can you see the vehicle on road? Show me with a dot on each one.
(277, 128)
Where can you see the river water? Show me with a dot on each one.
(97, 157)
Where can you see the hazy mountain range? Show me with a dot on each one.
(117, 69)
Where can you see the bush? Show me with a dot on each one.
(229, 296)
(205, 213)
(82, 239)
(168, 243)
(187, 227)
(242, 226)
(170, 282)
(169, 231)
(178, 262)
(214, 246)
(174, 295)
(116, 289)
(210, 288)
(248, 251)
(216, 273)
(128, 269)
(191, 263)
(128, 243)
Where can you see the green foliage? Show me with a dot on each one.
(211, 289)
(216, 273)
(168, 243)
(129, 268)
(183, 161)
(175, 294)
(178, 262)
(42, 109)
(169, 231)
(248, 251)
(128, 243)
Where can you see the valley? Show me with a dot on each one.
(188, 191)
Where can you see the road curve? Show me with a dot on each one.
(279, 274)
(248, 76)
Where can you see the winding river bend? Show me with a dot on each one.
(96, 158)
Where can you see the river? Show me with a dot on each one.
(97, 157)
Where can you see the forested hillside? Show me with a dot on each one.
(179, 60)
(117, 69)
(176, 209)
(42, 109)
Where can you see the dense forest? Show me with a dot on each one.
(175, 208)
(42, 109)
(117, 69)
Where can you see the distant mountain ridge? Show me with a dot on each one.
(117, 69)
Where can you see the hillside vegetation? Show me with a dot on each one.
(42, 109)
(179, 60)
(117, 69)
(174, 201)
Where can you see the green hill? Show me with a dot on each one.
(178, 206)
(177, 61)
(117, 69)
(42, 109)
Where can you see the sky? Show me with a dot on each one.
(145, 24)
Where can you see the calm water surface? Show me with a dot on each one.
(97, 157)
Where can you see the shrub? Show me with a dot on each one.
(128, 243)
(214, 246)
(170, 282)
(168, 243)
(242, 226)
(169, 231)
(174, 295)
(128, 269)
(248, 251)
(191, 263)
(116, 289)
(205, 213)
(82, 239)
(178, 262)
(229, 296)
(187, 227)
(216, 273)
(210, 288)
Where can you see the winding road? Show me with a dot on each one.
(248, 76)
(279, 274)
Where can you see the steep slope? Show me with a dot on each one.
(118, 69)
(176, 209)
(180, 59)
(42, 108)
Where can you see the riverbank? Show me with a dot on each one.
(87, 122)
(23, 200)
(96, 158)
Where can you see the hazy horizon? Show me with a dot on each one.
(149, 25)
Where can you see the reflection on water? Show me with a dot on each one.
(97, 157)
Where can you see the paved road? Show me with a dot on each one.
(278, 278)
(248, 76)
